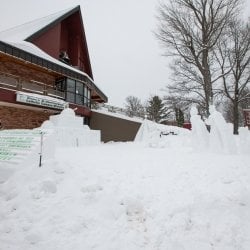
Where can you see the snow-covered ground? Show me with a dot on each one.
(152, 195)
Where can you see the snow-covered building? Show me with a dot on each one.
(45, 66)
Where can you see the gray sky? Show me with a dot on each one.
(125, 56)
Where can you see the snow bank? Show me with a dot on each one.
(38, 145)
(220, 139)
(158, 135)
(130, 197)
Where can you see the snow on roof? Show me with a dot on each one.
(16, 37)
(23, 31)
(33, 49)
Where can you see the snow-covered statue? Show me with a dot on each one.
(221, 138)
(200, 134)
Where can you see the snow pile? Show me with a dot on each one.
(158, 135)
(220, 139)
(244, 145)
(29, 146)
(133, 197)
(129, 195)
(69, 130)
(22, 145)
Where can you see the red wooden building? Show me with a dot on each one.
(44, 66)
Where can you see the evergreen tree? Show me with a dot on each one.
(156, 110)
(179, 117)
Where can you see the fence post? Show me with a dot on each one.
(41, 149)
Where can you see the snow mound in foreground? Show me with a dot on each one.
(157, 195)
(130, 197)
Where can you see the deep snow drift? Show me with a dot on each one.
(155, 194)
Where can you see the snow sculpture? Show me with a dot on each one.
(48, 137)
(221, 138)
(70, 131)
(244, 144)
(200, 134)
(143, 134)
(148, 134)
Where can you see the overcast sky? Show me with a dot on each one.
(125, 56)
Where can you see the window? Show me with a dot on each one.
(79, 99)
(71, 85)
(77, 92)
(70, 97)
(60, 84)
(79, 88)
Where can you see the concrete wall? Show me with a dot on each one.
(113, 128)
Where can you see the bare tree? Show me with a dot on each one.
(186, 87)
(229, 109)
(233, 56)
(134, 107)
(189, 29)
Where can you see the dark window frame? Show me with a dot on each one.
(83, 98)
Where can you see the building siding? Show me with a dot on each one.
(26, 72)
(113, 128)
(15, 118)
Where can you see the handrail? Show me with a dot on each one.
(30, 86)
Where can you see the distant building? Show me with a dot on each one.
(45, 65)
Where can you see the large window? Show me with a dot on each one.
(78, 93)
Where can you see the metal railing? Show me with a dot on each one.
(9, 81)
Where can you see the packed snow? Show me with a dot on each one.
(161, 192)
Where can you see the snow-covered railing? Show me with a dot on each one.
(113, 109)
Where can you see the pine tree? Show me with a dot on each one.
(179, 117)
(156, 110)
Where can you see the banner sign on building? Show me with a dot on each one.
(39, 100)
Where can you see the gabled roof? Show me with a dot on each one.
(21, 38)
(26, 31)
